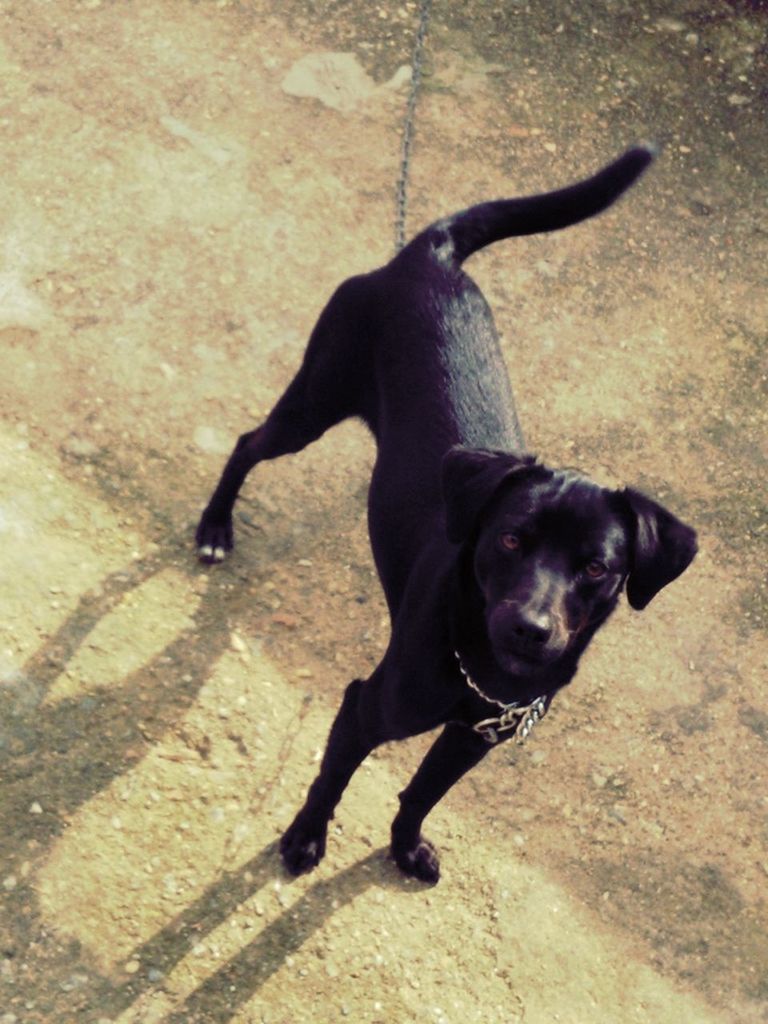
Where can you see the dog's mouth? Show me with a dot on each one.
(518, 655)
(514, 661)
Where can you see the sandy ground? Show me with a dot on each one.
(183, 185)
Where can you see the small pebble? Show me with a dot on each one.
(80, 447)
(670, 25)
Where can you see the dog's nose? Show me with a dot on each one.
(533, 627)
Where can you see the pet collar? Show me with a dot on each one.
(514, 718)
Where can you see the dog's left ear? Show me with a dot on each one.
(471, 477)
(664, 547)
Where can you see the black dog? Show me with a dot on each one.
(497, 571)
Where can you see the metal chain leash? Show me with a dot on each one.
(417, 64)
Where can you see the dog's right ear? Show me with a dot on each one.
(471, 477)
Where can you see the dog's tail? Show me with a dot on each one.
(457, 237)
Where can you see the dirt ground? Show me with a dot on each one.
(184, 183)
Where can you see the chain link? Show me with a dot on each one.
(417, 64)
(515, 718)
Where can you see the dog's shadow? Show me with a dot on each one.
(64, 753)
(58, 750)
(217, 998)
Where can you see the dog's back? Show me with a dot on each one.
(440, 379)
(430, 328)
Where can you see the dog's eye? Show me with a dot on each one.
(596, 569)
(509, 541)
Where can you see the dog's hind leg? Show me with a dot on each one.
(457, 749)
(286, 430)
(326, 390)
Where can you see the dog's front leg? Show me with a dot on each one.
(454, 752)
(303, 844)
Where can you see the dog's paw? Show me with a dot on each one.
(419, 862)
(214, 539)
(302, 847)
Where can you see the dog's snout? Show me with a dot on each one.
(533, 627)
(527, 629)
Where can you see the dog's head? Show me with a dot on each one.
(551, 552)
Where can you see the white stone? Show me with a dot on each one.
(337, 80)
